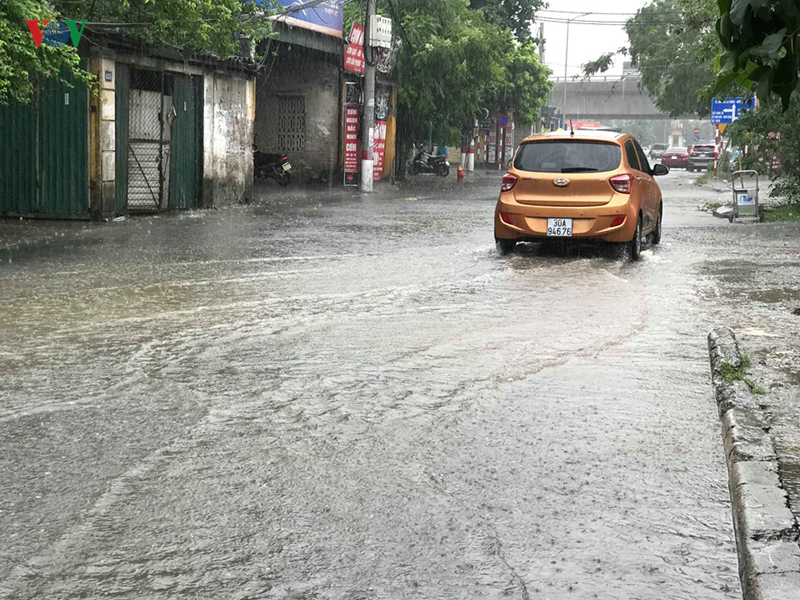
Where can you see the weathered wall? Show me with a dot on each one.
(102, 136)
(314, 76)
(227, 138)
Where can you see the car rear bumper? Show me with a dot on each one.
(671, 162)
(588, 223)
(701, 161)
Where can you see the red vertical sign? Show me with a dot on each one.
(354, 53)
(380, 149)
(351, 145)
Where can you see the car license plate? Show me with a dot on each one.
(559, 227)
(287, 167)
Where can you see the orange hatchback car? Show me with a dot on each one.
(587, 185)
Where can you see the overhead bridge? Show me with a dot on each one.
(599, 98)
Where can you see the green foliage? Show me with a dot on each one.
(601, 64)
(189, 26)
(760, 39)
(673, 44)
(516, 15)
(787, 211)
(772, 136)
(730, 374)
(525, 85)
(453, 62)
(787, 189)
(21, 62)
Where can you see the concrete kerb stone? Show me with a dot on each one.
(766, 531)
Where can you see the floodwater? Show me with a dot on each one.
(349, 398)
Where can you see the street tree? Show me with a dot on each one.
(453, 62)
(516, 15)
(187, 26)
(771, 135)
(673, 44)
(525, 84)
(21, 62)
(760, 39)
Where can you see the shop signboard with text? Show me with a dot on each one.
(324, 17)
(351, 126)
(354, 53)
(380, 149)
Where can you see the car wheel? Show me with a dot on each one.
(656, 239)
(505, 246)
(690, 169)
(634, 247)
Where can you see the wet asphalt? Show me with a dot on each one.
(329, 396)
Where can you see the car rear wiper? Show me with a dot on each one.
(578, 170)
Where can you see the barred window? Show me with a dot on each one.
(292, 123)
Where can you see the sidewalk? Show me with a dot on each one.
(757, 285)
(268, 191)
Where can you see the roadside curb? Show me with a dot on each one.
(766, 531)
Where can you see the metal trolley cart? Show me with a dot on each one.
(745, 197)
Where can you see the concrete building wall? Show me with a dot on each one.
(228, 116)
(314, 76)
(102, 139)
(229, 104)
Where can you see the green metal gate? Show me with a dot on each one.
(187, 143)
(44, 153)
(147, 169)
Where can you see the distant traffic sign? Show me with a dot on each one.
(728, 111)
(503, 121)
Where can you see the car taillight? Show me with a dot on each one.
(691, 151)
(618, 220)
(622, 183)
(509, 181)
(506, 218)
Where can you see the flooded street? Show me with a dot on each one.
(349, 398)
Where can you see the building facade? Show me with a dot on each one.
(157, 134)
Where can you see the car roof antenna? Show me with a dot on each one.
(571, 129)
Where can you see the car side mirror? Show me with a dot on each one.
(660, 169)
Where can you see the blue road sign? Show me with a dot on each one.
(722, 112)
(728, 111)
(503, 121)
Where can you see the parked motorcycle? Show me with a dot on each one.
(275, 166)
(424, 162)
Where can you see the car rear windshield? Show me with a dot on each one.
(568, 156)
(676, 151)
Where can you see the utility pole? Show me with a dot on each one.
(566, 64)
(541, 61)
(541, 43)
(368, 129)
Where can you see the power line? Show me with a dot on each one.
(576, 12)
(629, 23)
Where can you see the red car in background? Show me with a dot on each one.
(676, 157)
